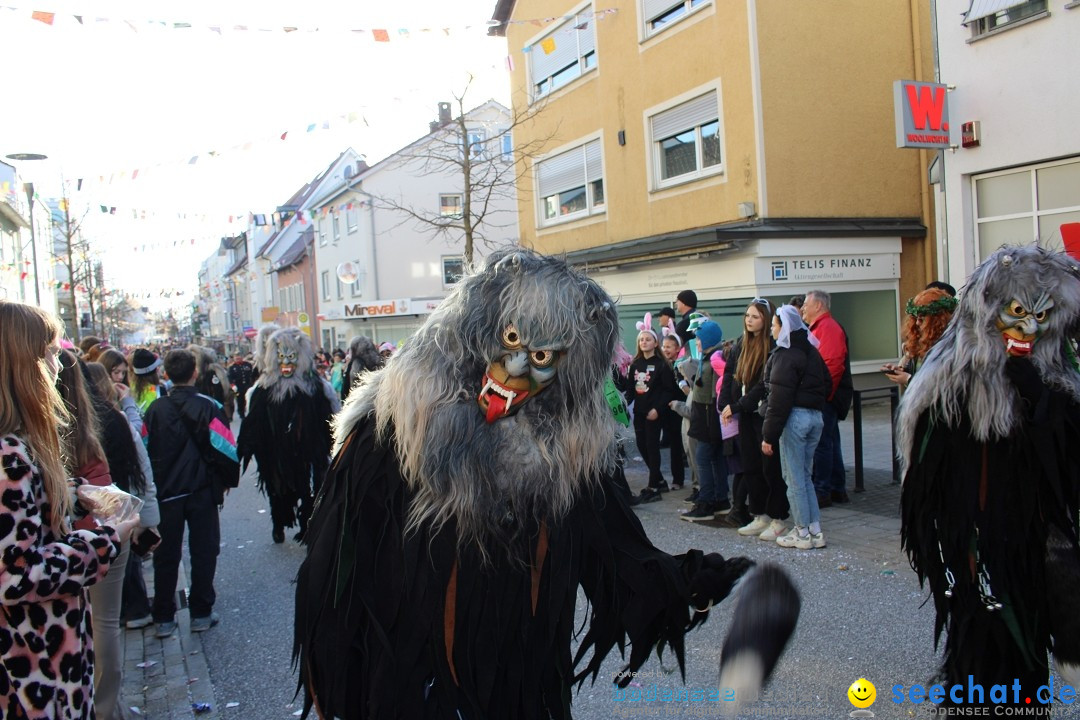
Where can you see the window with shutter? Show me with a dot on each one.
(571, 184)
(564, 54)
(687, 140)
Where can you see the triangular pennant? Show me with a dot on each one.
(548, 45)
(380, 35)
(45, 17)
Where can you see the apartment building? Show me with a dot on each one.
(740, 148)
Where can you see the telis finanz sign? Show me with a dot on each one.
(922, 115)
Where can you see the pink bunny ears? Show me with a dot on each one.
(645, 326)
(669, 332)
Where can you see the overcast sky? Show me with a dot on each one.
(110, 96)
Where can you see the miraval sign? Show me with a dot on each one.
(922, 115)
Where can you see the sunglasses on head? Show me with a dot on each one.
(760, 301)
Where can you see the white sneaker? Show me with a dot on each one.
(776, 529)
(813, 540)
(794, 536)
(759, 523)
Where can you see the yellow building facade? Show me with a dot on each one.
(739, 148)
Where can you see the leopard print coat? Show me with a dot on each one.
(47, 665)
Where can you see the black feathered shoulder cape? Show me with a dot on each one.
(979, 520)
(396, 625)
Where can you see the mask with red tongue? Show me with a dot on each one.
(515, 377)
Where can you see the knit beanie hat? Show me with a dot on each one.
(144, 362)
(709, 334)
(688, 298)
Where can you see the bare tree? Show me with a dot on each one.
(75, 257)
(489, 164)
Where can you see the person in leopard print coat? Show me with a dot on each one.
(46, 652)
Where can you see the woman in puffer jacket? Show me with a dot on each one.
(797, 382)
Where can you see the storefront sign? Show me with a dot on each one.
(922, 115)
(382, 308)
(826, 268)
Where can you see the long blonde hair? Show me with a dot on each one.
(81, 444)
(30, 405)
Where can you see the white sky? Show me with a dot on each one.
(103, 98)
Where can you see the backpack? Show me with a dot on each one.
(845, 389)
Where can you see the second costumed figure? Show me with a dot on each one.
(287, 430)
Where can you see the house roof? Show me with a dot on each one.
(238, 265)
(297, 250)
(503, 8)
(300, 198)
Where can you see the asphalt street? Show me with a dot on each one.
(863, 616)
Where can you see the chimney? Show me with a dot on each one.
(444, 114)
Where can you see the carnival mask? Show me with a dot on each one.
(287, 360)
(1021, 325)
(518, 374)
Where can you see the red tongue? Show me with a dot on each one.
(496, 407)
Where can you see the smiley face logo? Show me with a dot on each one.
(862, 693)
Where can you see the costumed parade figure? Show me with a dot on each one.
(258, 356)
(471, 494)
(363, 357)
(287, 430)
(988, 433)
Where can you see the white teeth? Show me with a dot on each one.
(506, 394)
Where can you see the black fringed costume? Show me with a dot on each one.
(290, 441)
(454, 530)
(992, 525)
(377, 635)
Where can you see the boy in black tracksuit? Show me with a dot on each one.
(652, 387)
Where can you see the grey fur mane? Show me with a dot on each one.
(482, 476)
(302, 379)
(964, 373)
(258, 360)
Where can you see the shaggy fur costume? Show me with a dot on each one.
(449, 544)
(287, 430)
(992, 477)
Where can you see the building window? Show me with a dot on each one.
(564, 54)
(322, 232)
(571, 184)
(986, 16)
(326, 284)
(337, 227)
(661, 14)
(687, 141)
(301, 297)
(1018, 206)
(340, 288)
(356, 289)
(282, 299)
(450, 205)
(453, 268)
(507, 147)
(350, 220)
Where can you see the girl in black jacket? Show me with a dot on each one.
(652, 387)
(742, 393)
(797, 382)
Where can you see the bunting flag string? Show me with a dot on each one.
(549, 42)
(378, 35)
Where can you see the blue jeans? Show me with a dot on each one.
(829, 474)
(712, 472)
(798, 442)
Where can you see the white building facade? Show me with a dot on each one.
(1013, 64)
(380, 270)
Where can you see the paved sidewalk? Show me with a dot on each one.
(165, 679)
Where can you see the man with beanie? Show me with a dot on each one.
(705, 428)
(685, 303)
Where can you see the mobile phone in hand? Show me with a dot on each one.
(147, 539)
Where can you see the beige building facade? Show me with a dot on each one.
(739, 148)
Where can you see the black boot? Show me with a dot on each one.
(279, 534)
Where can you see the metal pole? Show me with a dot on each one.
(29, 188)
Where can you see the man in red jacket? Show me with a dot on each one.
(830, 479)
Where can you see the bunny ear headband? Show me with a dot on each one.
(645, 326)
(669, 332)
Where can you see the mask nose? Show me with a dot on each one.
(1029, 325)
(516, 363)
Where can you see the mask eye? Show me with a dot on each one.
(510, 338)
(542, 358)
(1016, 309)
(1041, 315)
